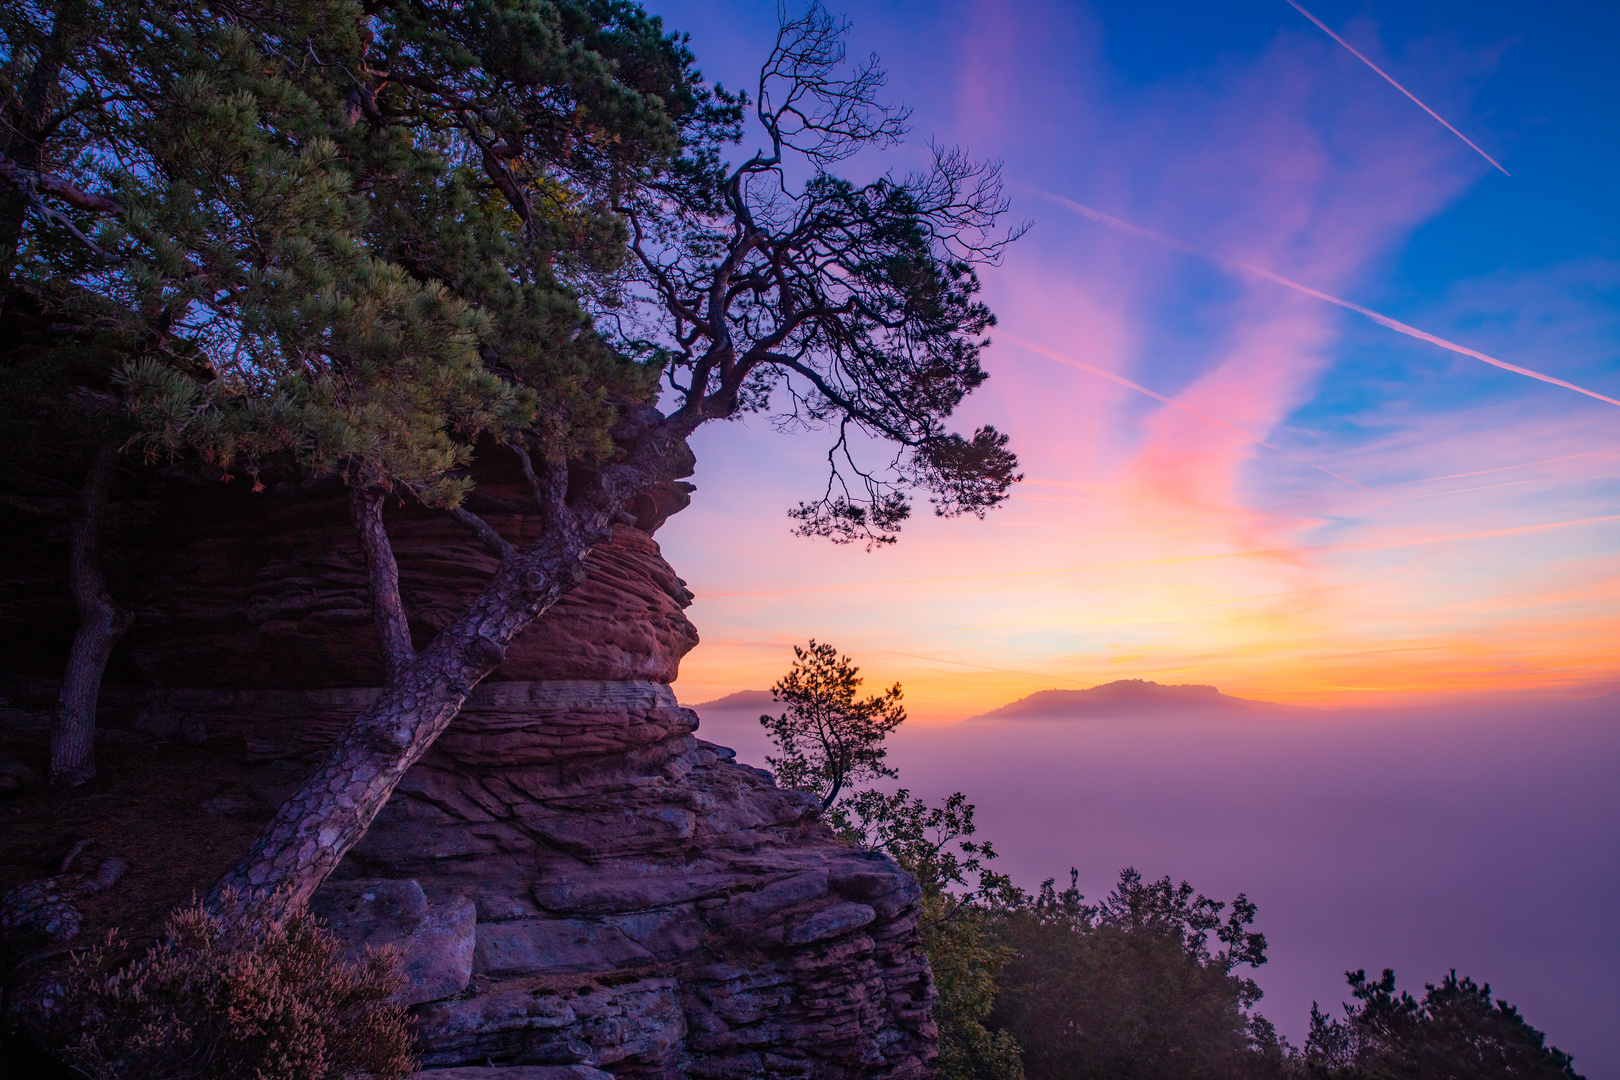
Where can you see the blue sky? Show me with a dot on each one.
(1157, 541)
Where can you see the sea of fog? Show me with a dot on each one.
(1485, 839)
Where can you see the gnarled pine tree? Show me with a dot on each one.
(393, 232)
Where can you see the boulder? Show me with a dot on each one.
(14, 776)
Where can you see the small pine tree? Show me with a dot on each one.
(828, 738)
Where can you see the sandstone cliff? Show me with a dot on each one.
(575, 877)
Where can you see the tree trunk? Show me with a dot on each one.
(382, 572)
(101, 624)
(329, 814)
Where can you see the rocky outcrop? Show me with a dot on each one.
(577, 882)
(659, 912)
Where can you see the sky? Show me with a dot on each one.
(1231, 478)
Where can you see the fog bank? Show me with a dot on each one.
(1483, 839)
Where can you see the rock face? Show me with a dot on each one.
(574, 878)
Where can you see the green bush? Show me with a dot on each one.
(265, 1001)
(935, 843)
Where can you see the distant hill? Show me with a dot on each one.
(742, 699)
(1127, 698)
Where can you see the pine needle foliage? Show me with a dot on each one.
(359, 238)
(1457, 1031)
(828, 738)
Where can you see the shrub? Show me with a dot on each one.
(265, 1001)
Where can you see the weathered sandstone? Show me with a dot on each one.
(575, 879)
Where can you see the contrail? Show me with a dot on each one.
(1509, 468)
(1485, 487)
(1260, 271)
(1397, 85)
(1061, 358)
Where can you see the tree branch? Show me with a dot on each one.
(549, 494)
(484, 531)
(51, 184)
(382, 573)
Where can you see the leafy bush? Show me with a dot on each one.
(225, 1002)
(935, 843)
(1130, 988)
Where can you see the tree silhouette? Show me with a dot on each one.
(827, 737)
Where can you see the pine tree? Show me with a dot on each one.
(826, 737)
(370, 242)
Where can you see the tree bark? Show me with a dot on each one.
(101, 624)
(328, 815)
(387, 606)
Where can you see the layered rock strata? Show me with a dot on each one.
(658, 911)
(574, 877)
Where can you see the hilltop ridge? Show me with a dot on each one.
(1125, 698)
(742, 699)
(1120, 699)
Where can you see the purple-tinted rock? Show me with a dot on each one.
(436, 941)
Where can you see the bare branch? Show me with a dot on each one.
(852, 303)
(810, 104)
(51, 184)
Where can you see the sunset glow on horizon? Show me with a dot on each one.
(1230, 479)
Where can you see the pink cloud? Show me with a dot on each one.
(1150, 540)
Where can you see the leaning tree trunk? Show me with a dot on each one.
(101, 624)
(328, 815)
